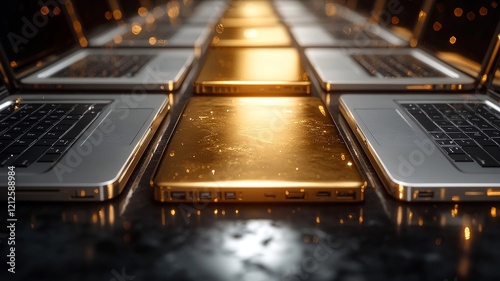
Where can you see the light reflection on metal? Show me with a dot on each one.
(493, 212)
(467, 233)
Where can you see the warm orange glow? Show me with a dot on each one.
(437, 26)
(77, 26)
(44, 10)
(56, 11)
(118, 39)
(83, 42)
(108, 15)
(172, 212)
(467, 233)
(136, 28)
(152, 41)
(318, 220)
(142, 11)
(458, 12)
(395, 20)
(13, 64)
(453, 40)
(483, 11)
(494, 4)
(117, 14)
(330, 9)
(471, 16)
(493, 212)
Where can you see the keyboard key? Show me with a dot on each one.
(49, 158)
(30, 156)
(485, 142)
(439, 136)
(480, 156)
(460, 158)
(462, 143)
(492, 133)
(7, 158)
(494, 151)
(458, 136)
(79, 127)
(44, 142)
(428, 125)
(452, 150)
(446, 143)
(452, 129)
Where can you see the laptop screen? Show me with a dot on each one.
(365, 7)
(460, 32)
(401, 13)
(133, 8)
(32, 31)
(95, 14)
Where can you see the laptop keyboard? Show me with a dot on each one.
(465, 132)
(353, 33)
(42, 132)
(395, 66)
(105, 66)
(157, 34)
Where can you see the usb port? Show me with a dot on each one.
(424, 194)
(205, 195)
(295, 195)
(178, 195)
(269, 195)
(346, 195)
(323, 194)
(230, 195)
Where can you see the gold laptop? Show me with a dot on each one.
(252, 36)
(253, 71)
(253, 149)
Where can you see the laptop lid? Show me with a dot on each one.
(96, 15)
(460, 33)
(401, 16)
(250, 149)
(34, 35)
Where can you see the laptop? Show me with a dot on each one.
(451, 53)
(101, 28)
(391, 26)
(74, 146)
(252, 71)
(431, 147)
(250, 149)
(45, 54)
(296, 12)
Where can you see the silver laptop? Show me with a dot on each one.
(297, 12)
(451, 53)
(73, 146)
(102, 27)
(431, 147)
(391, 25)
(48, 56)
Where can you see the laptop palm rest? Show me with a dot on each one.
(388, 127)
(120, 127)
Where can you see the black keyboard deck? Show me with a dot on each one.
(353, 32)
(105, 66)
(395, 66)
(35, 132)
(466, 132)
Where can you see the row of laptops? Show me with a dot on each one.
(78, 146)
(447, 47)
(42, 42)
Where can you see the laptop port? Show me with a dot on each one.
(425, 194)
(178, 195)
(269, 195)
(323, 194)
(205, 195)
(295, 195)
(346, 195)
(230, 195)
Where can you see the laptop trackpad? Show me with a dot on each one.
(120, 127)
(388, 127)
